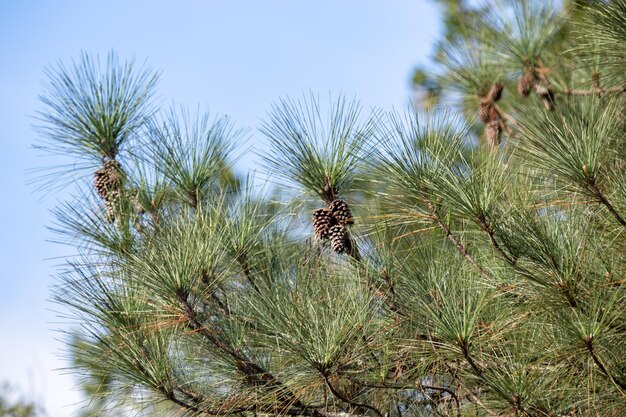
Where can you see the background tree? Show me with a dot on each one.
(409, 267)
(20, 406)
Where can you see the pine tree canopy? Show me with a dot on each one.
(463, 258)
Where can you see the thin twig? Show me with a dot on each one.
(473, 398)
(197, 400)
(470, 360)
(388, 385)
(346, 400)
(470, 395)
(482, 221)
(242, 259)
(602, 199)
(590, 348)
(593, 91)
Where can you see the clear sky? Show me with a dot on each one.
(235, 57)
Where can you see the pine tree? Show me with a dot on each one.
(464, 263)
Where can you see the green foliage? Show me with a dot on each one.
(526, 36)
(484, 278)
(91, 110)
(578, 144)
(604, 32)
(190, 152)
(322, 152)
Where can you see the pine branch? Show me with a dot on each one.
(446, 230)
(418, 386)
(603, 200)
(92, 111)
(590, 348)
(386, 321)
(487, 228)
(196, 403)
(590, 92)
(470, 360)
(470, 395)
(346, 400)
(243, 363)
(473, 398)
(242, 260)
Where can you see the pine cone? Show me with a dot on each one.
(526, 81)
(341, 211)
(100, 183)
(484, 110)
(492, 133)
(495, 92)
(323, 220)
(338, 238)
(107, 179)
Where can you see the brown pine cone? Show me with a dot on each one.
(495, 92)
(338, 238)
(484, 110)
(526, 81)
(323, 220)
(341, 212)
(108, 179)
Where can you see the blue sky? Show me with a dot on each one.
(234, 57)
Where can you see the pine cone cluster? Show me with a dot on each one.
(108, 179)
(330, 223)
(108, 184)
(536, 79)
